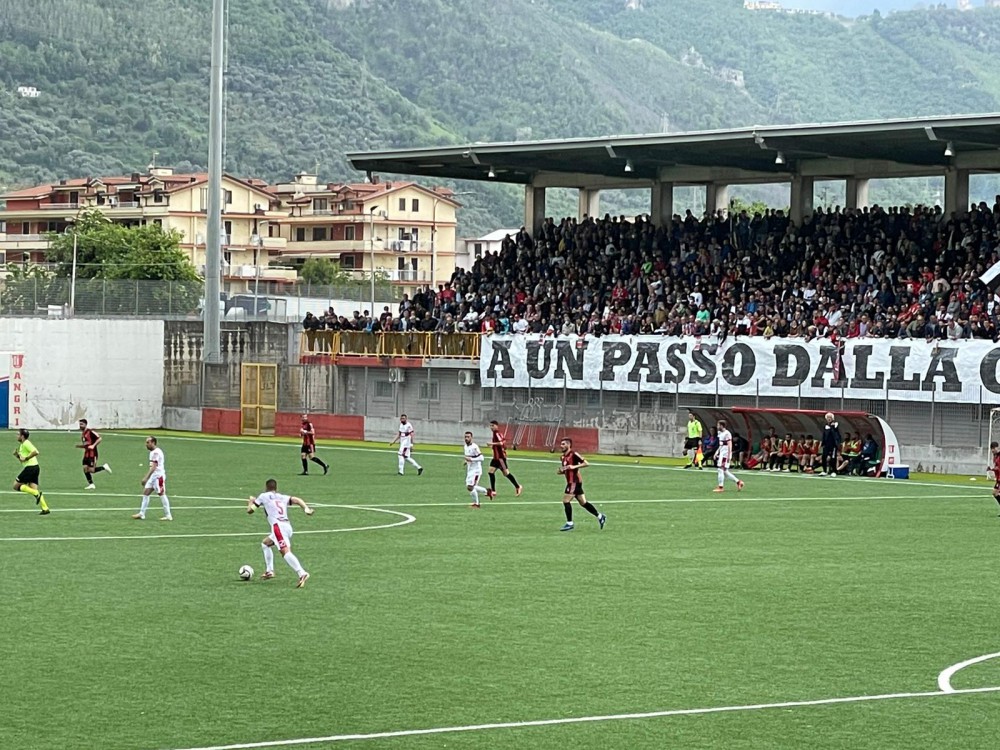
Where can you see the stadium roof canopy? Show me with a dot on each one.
(752, 154)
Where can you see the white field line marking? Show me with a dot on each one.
(944, 679)
(175, 505)
(406, 519)
(290, 442)
(56, 493)
(594, 719)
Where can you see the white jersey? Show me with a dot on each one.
(406, 435)
(475, 455)
(275, 505)
(725, 444)
(156, 460)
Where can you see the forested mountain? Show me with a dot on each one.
(311, 79)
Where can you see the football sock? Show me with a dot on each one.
(305, 466)
(493, 481)
(510, 478)
(166, 505)
(98, 468)
(29, 491)
(268, 558)
(568, 507)
(475, 494)
(401, 464)
(412, 461)
(317, 460)
(294, 562)
(145, 504)
(722, 476)
(731, 476)
(89, 477)
(41, 502)
(587, 506)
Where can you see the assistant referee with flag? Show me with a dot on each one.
(693, 440)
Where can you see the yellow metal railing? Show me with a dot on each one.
(410, 344)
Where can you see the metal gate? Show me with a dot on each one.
(258, 398)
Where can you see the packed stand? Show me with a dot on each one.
(875, 273)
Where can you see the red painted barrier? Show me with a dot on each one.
(585, 439)
(340, 426)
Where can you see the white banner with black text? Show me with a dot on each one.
(947, 371)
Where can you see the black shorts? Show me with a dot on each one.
(499, 463)
(691, 443)
(28, 475)
(574, 489)
(307, 448)
(90, 461)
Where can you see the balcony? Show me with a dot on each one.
(268, 243)
(60, 206)
(337, 344)
(410, 246)
(267, 273)
(23, 237)
(306, 248)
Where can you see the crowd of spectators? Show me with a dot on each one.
(902, 272)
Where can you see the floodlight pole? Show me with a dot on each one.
(212, 352)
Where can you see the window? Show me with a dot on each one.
(429, 391)
(347, 262)
(402, 204)
(227, 197)
(383, 390)
(158, 222)
(204, 199)
(486, 395)
(478, 250)
(53, 226)
(415, 234)
(300, 234)
(319, 234)
(349, 232)
(158, 197)
(415, 203)
(320, 204)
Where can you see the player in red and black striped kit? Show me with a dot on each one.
(499, 445)
(995, 469)
(89, 442)
(570, 467)
(308, 433)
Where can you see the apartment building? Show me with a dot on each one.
(251, 239)
(401, 229)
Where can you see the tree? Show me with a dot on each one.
(324, 272)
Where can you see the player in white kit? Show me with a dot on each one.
(154, 481)
(723, 456)
(275, 505)
(405, 438)
(473, 469)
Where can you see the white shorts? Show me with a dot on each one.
(472, 476)
(722, 462)
(404, 451)
(157, 483)
(281, 534)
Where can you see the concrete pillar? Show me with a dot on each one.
(589, 203)
(534, 208)
(801, 198)
(956, 191)
(716, 197)
(661, 203)
(857, 192)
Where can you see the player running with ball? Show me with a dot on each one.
(275, 505)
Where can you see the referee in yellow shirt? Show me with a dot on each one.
(27, 480)
(693, 441)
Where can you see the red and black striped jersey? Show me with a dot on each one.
(572, 459)
(89, 437)
(499, 445)
(308, 434)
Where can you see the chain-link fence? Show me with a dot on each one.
(101, 297)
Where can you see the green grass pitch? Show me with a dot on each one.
(138, 635)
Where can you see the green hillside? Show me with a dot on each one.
(311, 79)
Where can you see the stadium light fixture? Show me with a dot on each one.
(780, 158)
(949, 150)
(628, 165)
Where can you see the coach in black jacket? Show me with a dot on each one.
(831, 446)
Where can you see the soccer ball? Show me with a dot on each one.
(246, 573)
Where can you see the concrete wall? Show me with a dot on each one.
(109, 371)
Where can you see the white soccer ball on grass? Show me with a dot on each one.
(246, 573)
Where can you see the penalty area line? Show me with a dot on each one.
(595, 719)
